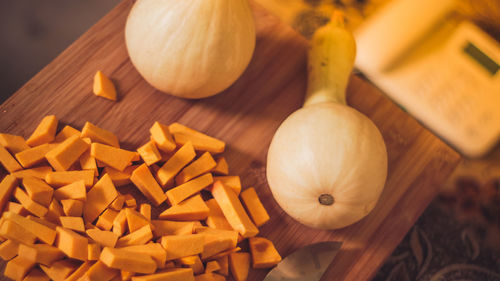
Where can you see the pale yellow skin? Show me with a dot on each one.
(190, 48)
(327, 148)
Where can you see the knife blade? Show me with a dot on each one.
(308, 263)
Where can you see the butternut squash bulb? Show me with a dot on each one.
(190, 48)
(327, 162)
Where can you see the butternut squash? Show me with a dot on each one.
(186, 190)
(28, 204)
(36, 274)
(234, 182)
(65, 154)
(178, 246)
(7, 186)
(125, 260)
(67, 177)
(99, 135)
(9, 249)
(149, 153)
(17, 268)
(193, 208)
(162, 137)
(204, 164)
(183, 134)
(8, 162)
(264, 254)
(38, 190)
(32, 156)
(193, 262)
(239, 263)
(174, 164)
(171, 274)
(233, 210)
(254, 206)
(65, 133)
(165, 227)
(72, 244)
(112, 156)
(73, 223)
(72, 207)
(60, 270)
(100, 271)
(139, 237)
(155, 250)
(45, 132)
(221, 167)
(98, 198)
(13, 143)
(146, 183)
(216, 218)
(40, 253)
(75, 190)
(37, 172)
(79, 272)
(103, 87)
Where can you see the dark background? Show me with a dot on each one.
(34, 32)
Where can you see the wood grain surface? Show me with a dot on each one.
(245, 116)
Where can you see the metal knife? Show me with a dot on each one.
(308, 263)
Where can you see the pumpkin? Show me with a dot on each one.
(190, 48)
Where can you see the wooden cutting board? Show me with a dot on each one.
(245, 116)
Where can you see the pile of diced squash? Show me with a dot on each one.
(64, 217)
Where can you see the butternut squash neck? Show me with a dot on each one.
(330, 62)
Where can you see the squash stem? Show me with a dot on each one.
(330, 62)
(326, 199)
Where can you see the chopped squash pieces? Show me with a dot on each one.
(180, 159)
(165, 227)
(13, 143)
(146, 183)
(120, 178)
(100, 271)
(72, 244)
(264, 254)
(63, 219)
(17, 233)
(103, 87)
(193, 262)
(72, 207)
(45, 132)
(40, 253)
(98, 198)
(99, 135)
(61, 269)
(216, 218)
(186, 190)
(79, 272)
(17, 268)
(105, 220)
(37, 172)
(65, 154)
(68, 177)
(162, 137)
(30, 205)
(7, 186)
(65, 133)
(38, 190)
(221, 167)
(104, 238)
(155, 250)
(8, 162)
(9, 249)
(36, 274)
(149, 153)
(233, 210)
(171, 274)
(114, 157)
(254, 206)
(32, 156)
(233, 182)
(73, 223)
(125, 260)
(75, 190)
(200, 166)
(239, 263)
(190, 209)
(178, 246)
(139, 237)
(200, 141)
(42, 232)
